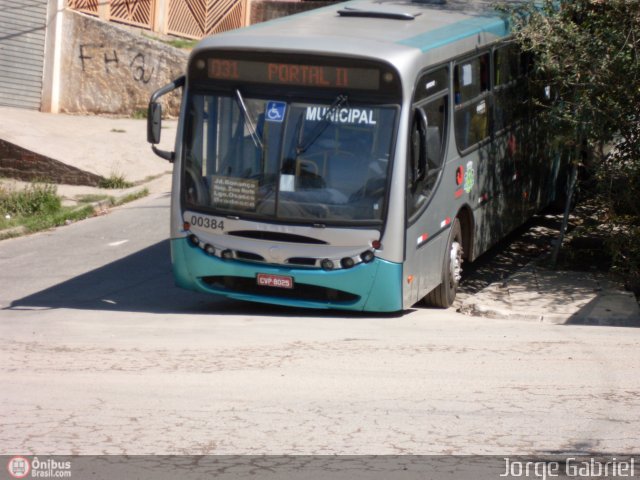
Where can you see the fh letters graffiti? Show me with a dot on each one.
(102, 56)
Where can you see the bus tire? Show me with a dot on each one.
(444, 294)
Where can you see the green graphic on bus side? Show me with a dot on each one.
(468, 178)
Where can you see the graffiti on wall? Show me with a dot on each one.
(141, 66)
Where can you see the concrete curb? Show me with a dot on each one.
(478, 310)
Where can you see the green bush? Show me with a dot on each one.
(624, 246)
(115, 181)
(588, 53)
(36, 199)
(618, 177)
(619, 187)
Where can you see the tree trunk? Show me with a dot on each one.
(571, 187)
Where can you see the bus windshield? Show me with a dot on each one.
(285, 160)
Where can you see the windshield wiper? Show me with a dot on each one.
(252, 129)
(322, 125)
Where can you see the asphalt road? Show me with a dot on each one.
(100, 353)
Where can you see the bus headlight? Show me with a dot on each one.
(194, 240)
(347, 262)
(210, 249)
(367, 256)
(326, 264)
(227, 254)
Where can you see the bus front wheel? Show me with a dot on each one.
(444, 294)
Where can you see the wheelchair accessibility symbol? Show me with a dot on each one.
(275, 111)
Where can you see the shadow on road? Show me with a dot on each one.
(143, 282)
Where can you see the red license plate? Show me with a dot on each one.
(277, 281)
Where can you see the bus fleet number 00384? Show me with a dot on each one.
(207, 222)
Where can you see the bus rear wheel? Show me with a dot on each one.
(444, 294)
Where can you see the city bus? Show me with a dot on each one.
(351, 157)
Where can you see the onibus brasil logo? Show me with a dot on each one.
(20, 467)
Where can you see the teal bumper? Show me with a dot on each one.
(375, 286)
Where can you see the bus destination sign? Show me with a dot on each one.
(320, 76)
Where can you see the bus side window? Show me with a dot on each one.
(426, 152)
(509, 89)
(471, 88)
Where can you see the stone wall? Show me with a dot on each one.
(108, 69)
(263, 10)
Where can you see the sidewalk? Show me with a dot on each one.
(117, 146)
(104, 146)
(537, 294)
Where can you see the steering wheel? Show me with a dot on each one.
(195, 186)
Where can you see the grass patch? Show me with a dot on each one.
(65, 216)
(112, 201)
(115, 181)
(182, 43)
(35, 208)
(90, 198)
(118, 130)
(38, 207)
(140, 114)
(130, 198)
(37, 198)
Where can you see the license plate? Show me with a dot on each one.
(277, 281)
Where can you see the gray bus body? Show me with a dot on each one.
(435, 94)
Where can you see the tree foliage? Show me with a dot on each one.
(588, 53)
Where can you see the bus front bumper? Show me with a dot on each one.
(374, 286)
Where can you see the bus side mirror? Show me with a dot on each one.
(154, 118)
(154, 123)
